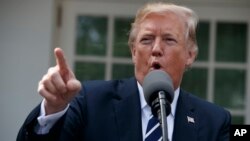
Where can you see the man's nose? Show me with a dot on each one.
(157, 49)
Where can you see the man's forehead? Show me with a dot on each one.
(166, 24)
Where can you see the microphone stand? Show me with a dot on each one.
(162, 115)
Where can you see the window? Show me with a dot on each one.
(224, 73)
(95, 41)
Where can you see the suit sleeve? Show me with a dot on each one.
(225, 131)
(27, 131)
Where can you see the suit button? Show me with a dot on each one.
(26, 133)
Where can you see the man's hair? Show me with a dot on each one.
(188, 16)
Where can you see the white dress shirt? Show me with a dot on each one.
(46, 122)
(146, 112)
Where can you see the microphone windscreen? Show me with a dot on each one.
(155, 81)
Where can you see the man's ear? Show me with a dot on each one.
(133, 51)
(191, 56)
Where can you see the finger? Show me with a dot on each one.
(44, 93)
(61, 62)
(46, 81)
(58, 82)
(49, 86)
(55, 81)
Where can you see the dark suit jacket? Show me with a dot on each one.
(110, 111)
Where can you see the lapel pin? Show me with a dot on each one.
(190, 119)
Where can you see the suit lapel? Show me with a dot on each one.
(128, 111)
(186, 121)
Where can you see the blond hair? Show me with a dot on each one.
(188, 16)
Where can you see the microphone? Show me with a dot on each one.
(159, 92)
(155, 82)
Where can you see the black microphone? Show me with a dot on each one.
(155, 82)
(159, 93)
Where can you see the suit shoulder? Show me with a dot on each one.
(205, 106)
(104, 84)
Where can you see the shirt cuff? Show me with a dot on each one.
(46, 122)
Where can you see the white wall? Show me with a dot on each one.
(25, 48)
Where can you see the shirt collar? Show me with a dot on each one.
(144, 103)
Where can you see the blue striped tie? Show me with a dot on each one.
(153, 132)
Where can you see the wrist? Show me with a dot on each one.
(51, 109)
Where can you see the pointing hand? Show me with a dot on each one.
(59, 86)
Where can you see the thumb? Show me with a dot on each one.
(74, 86)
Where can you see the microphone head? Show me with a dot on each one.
(154, 82)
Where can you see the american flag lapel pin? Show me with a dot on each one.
(190, 119)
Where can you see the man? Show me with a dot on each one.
(162, 37)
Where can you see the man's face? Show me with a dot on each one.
(161, 44)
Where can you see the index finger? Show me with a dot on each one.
(60, 61)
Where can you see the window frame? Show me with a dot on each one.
(206, 12)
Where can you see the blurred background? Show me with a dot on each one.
(94, 33)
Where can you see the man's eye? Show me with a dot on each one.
(146, 40)
(170, 40)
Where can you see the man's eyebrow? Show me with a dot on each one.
(148, 34)
(169, 35)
